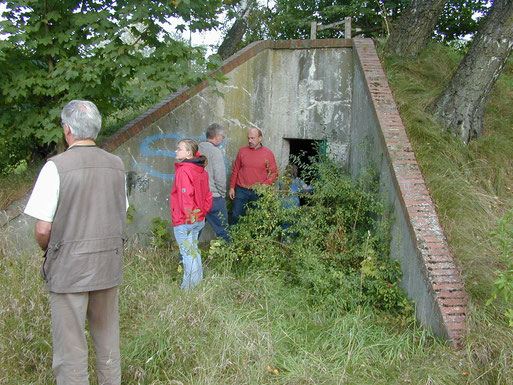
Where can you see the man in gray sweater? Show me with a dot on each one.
(216, 169)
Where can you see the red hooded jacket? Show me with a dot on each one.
(191, 198)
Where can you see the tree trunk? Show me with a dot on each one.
(461, 105)
(234, 36)
(232, 39)
(413, 31)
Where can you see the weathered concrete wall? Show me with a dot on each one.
(16, 230)
(299, 94)
(379, 141)
(369, 154)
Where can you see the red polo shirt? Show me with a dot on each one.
(254, 165)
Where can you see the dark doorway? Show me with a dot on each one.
(305, 150)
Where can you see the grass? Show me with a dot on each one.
(245, 330)
(471, 187)
(253, 330)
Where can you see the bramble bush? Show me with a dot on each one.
(336, 245)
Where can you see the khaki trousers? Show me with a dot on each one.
(69, 312)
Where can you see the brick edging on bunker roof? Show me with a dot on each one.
(438, 265)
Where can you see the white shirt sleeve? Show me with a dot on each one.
(43, 201)
(126, 197)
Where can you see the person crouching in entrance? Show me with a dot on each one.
(191, 200)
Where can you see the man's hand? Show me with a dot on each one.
(42, 231)
(231, 193)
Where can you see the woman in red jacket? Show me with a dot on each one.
(191, 200)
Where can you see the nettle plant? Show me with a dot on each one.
(336, 245)
(160, 237)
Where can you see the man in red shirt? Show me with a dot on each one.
(254, 164)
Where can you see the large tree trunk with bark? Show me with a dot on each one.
(234, 36)
(413, 30)
(232, 39)
(461, 105)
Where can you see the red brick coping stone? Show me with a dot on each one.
(435, 257)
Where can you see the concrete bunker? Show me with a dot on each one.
(300, 92)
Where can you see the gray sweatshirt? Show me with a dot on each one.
(215, 168)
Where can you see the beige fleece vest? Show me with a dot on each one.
(85, 251)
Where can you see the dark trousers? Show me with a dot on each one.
(243, 196)
(218, 218)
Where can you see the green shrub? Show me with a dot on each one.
(336, 245)
(160, 236)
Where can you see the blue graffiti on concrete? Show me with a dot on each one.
(147, 150)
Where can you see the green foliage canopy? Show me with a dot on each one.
(460, 18)
(114, 53)
(290, 19)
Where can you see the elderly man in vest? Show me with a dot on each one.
(79, 203)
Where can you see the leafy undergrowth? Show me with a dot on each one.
(335, 245)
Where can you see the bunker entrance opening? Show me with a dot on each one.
(305, 150)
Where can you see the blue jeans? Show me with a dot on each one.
(186, 236)
(243, 196)
(218, 218)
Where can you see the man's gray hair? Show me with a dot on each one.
(83, 119)
(213, 130)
